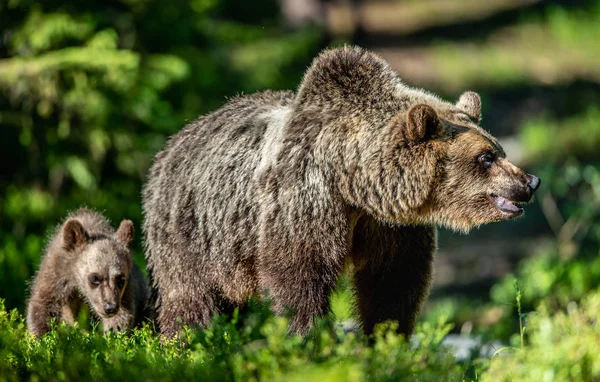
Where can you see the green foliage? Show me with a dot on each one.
(558, 46)
(551, 280)
(562, 347)
(253, 346)
(554, 141)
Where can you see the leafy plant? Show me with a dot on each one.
(251, 346)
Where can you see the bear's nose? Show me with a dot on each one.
(110, 308)
(534, 182)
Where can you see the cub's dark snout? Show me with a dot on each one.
(111, 308)
(534, 182)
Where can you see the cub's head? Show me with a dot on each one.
(471, 182)
(103, 264)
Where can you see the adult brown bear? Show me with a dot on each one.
(275, 191)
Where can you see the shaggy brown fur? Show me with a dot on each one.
(273, 192)
(88, 262)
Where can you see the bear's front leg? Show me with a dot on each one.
(301, 255)
(39, 314)
(70, 310)
(47, 301)
(393, 267)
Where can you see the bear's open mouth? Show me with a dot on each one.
(506, 205)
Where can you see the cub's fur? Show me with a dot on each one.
(275, 191)
(88, 262)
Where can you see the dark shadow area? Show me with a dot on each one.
(506, 108)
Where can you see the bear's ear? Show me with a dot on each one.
(125, 232)
(421, 123)
(470, 103)
(74, 234)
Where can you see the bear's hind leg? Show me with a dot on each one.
(393, 267)
(186, 304)
(303, 292)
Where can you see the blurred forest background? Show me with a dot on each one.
(90, 91)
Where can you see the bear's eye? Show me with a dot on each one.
(486, 160)
(94, 280)
(120, 281)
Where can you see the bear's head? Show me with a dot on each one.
(451, 171)
(103, 264)
(404, 155)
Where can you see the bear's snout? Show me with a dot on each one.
(519, 185)
(534, 182)
(110, 308)
(522, 192)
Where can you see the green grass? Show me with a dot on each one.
(557, 345)
(255, 346)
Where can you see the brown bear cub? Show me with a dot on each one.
(276, 191)
(88, 262)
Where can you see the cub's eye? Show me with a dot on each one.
(486, 160)
(95, 280)
(120, 281)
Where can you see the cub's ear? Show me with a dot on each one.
(470, 103)
(125, 232)
(421, 123)
(74, 234)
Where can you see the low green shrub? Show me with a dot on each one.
(250, 346)
(562, 347)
